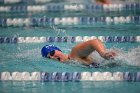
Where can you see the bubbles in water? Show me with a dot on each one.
(58, 31)
(131, 57)
(29, 54)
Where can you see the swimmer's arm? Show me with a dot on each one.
(100, 48)
(85, 61)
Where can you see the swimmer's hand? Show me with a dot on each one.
(109, 55)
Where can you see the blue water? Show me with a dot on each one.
(26, 56)
(69, 87)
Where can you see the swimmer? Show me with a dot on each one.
(103, 1)
(81, 52)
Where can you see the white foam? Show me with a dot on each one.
(29, 54)
(131, 57)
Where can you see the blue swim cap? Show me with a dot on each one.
(47, 49)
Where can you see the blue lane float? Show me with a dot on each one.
(24, 1)
(138, 76)
(55, 7)
(8, 40)
(3, 22)
(18, 9)
(131, 76)
(120, 38)
(132, 6)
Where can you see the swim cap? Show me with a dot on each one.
(47, 49)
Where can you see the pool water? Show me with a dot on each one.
(26, 57)
(69, 87)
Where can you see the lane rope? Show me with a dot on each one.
(74, 76)
(68, 7)
(108, 39)
(45, 21)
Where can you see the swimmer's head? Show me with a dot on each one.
(48, 49)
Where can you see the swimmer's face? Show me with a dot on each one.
(56, 55)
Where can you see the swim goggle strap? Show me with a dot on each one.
(51, 54)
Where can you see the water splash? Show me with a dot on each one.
(58, 31)
(130, 57)
(32, 54)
